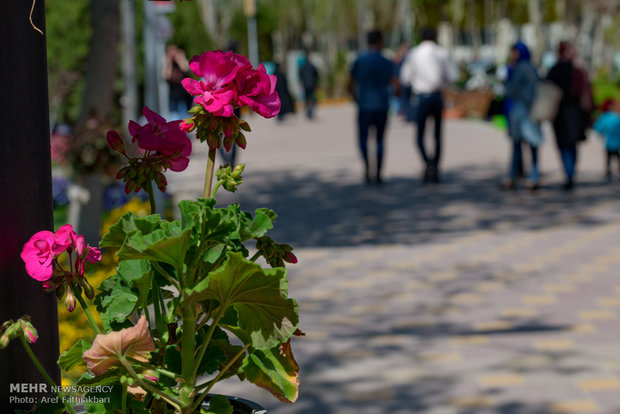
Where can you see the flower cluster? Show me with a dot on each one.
(274, 253)
(10, 330)
(165, 146)
(227, 81)
(41, 253)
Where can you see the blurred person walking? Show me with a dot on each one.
(371, 77)
(176, 68)
(575, 109)
(286, 100)
(309, 76)
(608, 126)
(428, 69)
(521, 91)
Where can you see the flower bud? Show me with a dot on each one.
(289, 257)
(236, 173)
(89, 292)
(115, 141)
(30, 333)
(70, 300)
(4, 340)
(244, 125)
(48, 285)
(150, 375)
(241, 141)
(187, 125)
(60, 291)
(230, 185)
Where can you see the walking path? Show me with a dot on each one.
(449, 299)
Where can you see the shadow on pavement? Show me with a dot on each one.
(318, 211)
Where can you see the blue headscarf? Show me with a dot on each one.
(524, 52)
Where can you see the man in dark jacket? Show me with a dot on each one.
(309, 77)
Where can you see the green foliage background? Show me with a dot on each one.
(68, 33)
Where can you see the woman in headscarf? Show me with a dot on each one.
(520, 90)
(573, 115)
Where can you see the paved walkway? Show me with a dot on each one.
(450, 299)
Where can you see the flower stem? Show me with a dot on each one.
(217, 186)
(187, 353)
(44, 373)
(124, 399)
(89, 315)
(209, 173)
(162, 371)
(167, 275)
(149, 190)
(256, 256)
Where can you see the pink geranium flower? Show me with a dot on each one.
(214, 91)
(44, 247)
(165, 138)
(257, 89)
(38, 255)
(107, 349)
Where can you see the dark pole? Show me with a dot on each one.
(26, 192)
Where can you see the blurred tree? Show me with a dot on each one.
(190, 32)
(68, 23)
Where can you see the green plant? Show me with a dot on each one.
(189, 304)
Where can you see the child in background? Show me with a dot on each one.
(608, 126)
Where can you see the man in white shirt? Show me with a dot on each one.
(428, 69)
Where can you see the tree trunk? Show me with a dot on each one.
(26, 201)
(535, 12)
(99, 99)
(103, 60)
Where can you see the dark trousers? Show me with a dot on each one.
(612, 154)
(377, 119)
(569, 160)
(310, 101)
(429, 105)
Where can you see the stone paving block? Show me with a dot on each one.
(596, 315)
(599, 384)
(574, 407)
(539, 300)
(501, 380)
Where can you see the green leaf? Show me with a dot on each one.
(126, 225)
(172, 358)
(266, 316)
(168, 243)
(213, 254)
(138, 274)
(274, 370)
(209, 223)
(218, 404)
(212, 360)
(217, 353)
(118, 305)
(73, 356)
(262, 222)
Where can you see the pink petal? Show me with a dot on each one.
(106, 349)
(192, 86)
(93, 255)
(153, 117)
(179, 164)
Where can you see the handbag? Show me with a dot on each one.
(546, 103)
